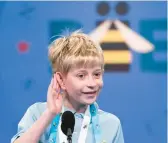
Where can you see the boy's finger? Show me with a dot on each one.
(51, 83)
(57, 84)
(54, 83)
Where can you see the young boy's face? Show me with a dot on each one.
(83, 84)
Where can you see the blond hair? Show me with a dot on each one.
(76, 50)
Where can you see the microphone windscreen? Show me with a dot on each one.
(68, 121)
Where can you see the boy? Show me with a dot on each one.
(77, 65)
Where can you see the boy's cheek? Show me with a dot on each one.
(100, 82)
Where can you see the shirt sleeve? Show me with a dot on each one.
(31, 115)
(119, 135)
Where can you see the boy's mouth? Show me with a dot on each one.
(90, 92)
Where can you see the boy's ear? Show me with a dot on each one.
(59, 78)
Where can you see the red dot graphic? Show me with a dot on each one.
(23, 47)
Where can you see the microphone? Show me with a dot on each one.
(67, 125)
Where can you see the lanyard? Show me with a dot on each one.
(90, 116)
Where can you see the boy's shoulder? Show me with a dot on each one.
(37, 108)
(106, 117)
(110, 125)
(38, 105)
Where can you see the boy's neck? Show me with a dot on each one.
(79, 108)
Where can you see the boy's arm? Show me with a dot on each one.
(33, 134)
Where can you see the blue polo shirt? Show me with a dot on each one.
(111, 130)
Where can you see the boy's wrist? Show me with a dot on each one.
(49, 114)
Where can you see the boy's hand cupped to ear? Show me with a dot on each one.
(54, 98)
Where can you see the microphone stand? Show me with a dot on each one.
(69, 135)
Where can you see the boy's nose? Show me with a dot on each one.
(91, 82)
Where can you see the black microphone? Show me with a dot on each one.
(67, 125)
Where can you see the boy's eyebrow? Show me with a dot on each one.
(83, 70)
(98, 69)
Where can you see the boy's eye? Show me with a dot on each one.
(81, 76)
(97, 75)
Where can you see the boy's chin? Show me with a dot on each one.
(89, 102)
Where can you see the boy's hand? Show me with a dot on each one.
(54, 98)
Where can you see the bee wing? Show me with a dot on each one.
(135, 41)
(97, 34)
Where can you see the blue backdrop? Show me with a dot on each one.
(136, 96)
